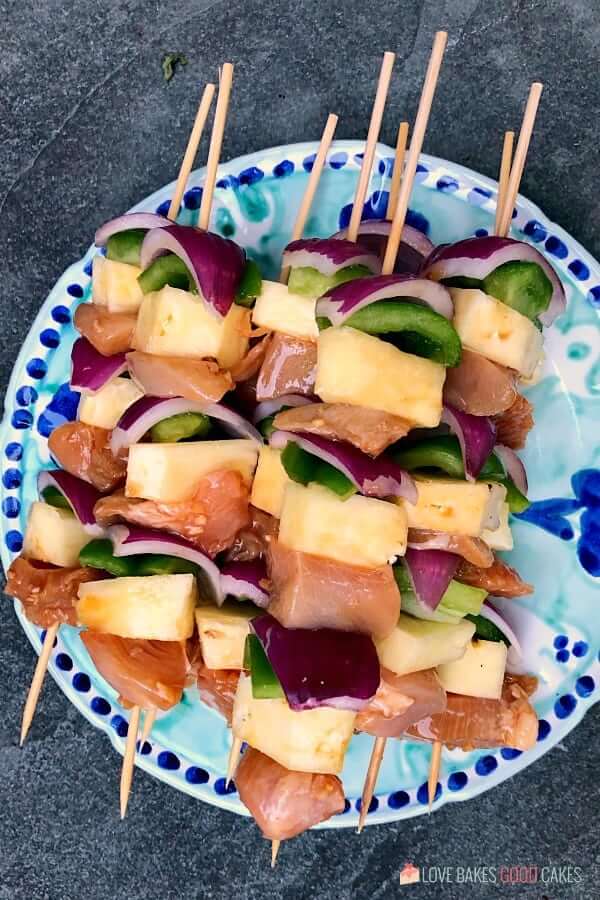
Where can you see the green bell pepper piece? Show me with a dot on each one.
(53, 497)
(99, 555)
(168, 269)
(487, 631)
(523, 286)
(415, 328)
(265, 683)
(180, 427)
(310, 282)
(305, 468)
(250, 285)
(160, 564)
(125, 246)
(517, 502)
(459, 600)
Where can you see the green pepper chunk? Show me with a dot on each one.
(523, 286)
(250, 285)
(310, 282)
(180, 427)
(517, 502)
(461, 281)
(266, 426)
(415, 328)
(99, 555)
(265, 683)
(53, 497)
(125, 246)
(305, 468)
(160, 564)
(487, 631)
(168, 269)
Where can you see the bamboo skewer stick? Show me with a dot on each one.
(371, 779)
(416, 143)
(434, 771)
(216, 142)
(191, 150)
(312, 185)
(505, 164)
(149, 719)
(234, 758)
(518, 165)
(129, 759)
(275, 845)
(383, 85)
(401, 143)
(37, 682)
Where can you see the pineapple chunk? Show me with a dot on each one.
(498, 332)
(499, 538)
(358, 368)
(479, 673)
(53, 535)
(455, 507)
(172, 322)
(115, 285)
(222, 633)
(312, 740)
(154, 608)
(269, 482)
(280, 310)
(171, 472)
(417, 644)
(105, 407)
(360, 531)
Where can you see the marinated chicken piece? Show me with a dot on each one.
(250, 364)
(370, 430)
(253, 540)
(284, 803)
(401, 701)
(471, 722)
(314, 592)
(210, 520)
(174, 376)
(218, 688)
(499, 579)
(48, 594)
(479, 386)
(513, 426)
(289, 367)
(474, 550)
(144, 673)
(84, 451)
(107, 332)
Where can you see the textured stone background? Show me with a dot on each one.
(88, 127)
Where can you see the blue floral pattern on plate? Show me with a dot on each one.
(557, 543)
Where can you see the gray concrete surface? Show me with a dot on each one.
(88, 127)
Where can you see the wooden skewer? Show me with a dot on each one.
(275, 845)
(434, 771)
(312, 185)
(416, 143)
(234, 758)
(401, 143)
(37, 682)
(191, 150)
(518, 165)
(505, 164)
(383, 85)
(216, 141)
(149, 719)
(129, 758)
(371, 780)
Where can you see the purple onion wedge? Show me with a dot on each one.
(513, 466)
(413, 250)
(246, 580)
(80, 495)
(344, 300)
(270, 407)
(90, 370)
(128, 221)
(476, 436)
(328, 255)
(430, 573)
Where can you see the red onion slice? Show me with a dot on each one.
(342, 301)
(81, 496)
(430, 572)
(476, 436)
(328, 255)
(215, 263)
(128, 221)
(246, 579)
(269, 407)
(148, 411)
(378, 477)
(513, 466)
(477, 257)
(413, 250)
(515, 651)
(90, 370)
(320, 667)
(131, 541)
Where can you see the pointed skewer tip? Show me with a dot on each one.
(275, 845)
